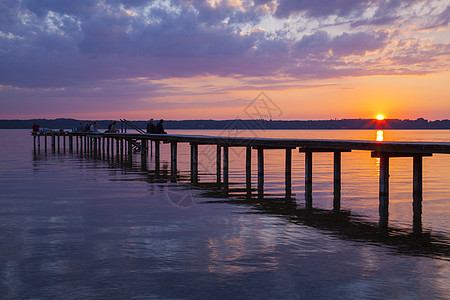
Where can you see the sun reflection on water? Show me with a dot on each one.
(380, 136)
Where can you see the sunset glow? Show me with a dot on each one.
(380, 117)
(127, 59)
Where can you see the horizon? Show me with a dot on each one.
(231, 119)
(274, 59)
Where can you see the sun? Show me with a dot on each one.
(380, 117)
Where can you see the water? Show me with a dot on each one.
(75, 227)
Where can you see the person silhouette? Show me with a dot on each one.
(160, 127)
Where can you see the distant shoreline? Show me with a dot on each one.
(239, 124)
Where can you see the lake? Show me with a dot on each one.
(77, 227)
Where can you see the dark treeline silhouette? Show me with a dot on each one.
(238, 124)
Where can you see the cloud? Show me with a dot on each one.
(322, 8)
(65, 44)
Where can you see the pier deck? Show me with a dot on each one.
(106, 144)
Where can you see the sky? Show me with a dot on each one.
(224, 59)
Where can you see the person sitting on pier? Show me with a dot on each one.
(86, 127)
(94, 127)
(80, 127)
(159, 127)
(112, 127)
(36, 127)
(151, 128)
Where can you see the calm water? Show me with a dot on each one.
(75, 227)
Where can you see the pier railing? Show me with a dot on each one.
(107, 144)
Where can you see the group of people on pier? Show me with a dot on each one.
(88, 127)
(112, 127)
(157, 129)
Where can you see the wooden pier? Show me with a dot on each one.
(109, 145)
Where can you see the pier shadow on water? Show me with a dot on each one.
(343, 224)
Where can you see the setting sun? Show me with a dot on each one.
(380, 117)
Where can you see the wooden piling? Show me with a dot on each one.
(173, 160)
(248, 169)
(144, 153)
(260, 173)
(288, 173)
(118, 149)
(53, 143)
(71, 143)
(218, 163)
(130, 147)
(194, 163)
(308, 179)
(157, 155)
(337, 181)
(384, 191)
(417, 193)
(225, 166)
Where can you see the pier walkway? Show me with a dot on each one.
(120, 144)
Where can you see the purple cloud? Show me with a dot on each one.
(62, 43)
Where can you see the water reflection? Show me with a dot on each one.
(380, 136)
(343, 224)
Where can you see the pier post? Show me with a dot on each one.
(111, 148)
(225, 166)
(194, 163)
(157, 155)
(103, 140)
(260, 173)
(417, 193)
(218, 163)
(45, 142)
(288, 173)
(53, 143)
(173, 160)
(143, 151)
(248, 170)
(308, 179)
(59, 142)
(107, 147)
(94, 145)
(384, 190)
(130, 147)
(337, 181)
(71, 143)
(151, 148)
(117, 149)
(121, 149)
